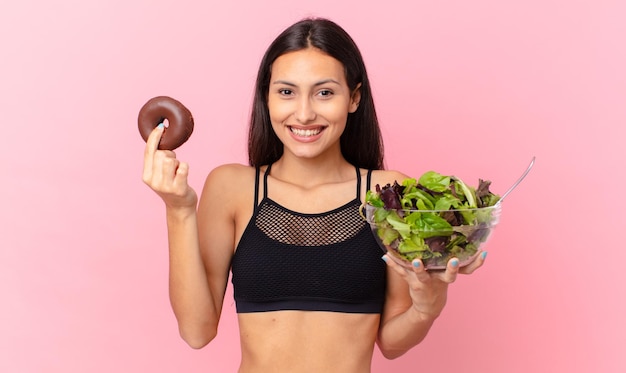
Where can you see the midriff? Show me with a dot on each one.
(307, 341)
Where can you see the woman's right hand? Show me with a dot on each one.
(166, 175)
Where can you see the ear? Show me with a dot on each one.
(355, 99)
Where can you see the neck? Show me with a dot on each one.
(312, 171)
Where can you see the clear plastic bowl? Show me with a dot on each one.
(470, 231)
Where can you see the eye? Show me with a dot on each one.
(325, 93)
(285, 92)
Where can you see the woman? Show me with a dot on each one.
(311, 291)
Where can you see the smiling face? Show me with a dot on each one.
(309, 101)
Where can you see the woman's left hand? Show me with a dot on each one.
(429, 289)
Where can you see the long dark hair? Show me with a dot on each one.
(361, 141)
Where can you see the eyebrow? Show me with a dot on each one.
(321, 82)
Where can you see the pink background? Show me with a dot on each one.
(473, 88)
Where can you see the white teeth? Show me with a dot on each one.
(305, 133)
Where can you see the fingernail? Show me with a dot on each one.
(483, 255)
(161, 125)
(384, 258)
(454, 263)
(416, 264)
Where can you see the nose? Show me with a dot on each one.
(304, 111)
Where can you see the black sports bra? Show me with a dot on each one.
(288, 260)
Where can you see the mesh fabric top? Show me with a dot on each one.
(319, 262)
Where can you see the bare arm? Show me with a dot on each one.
(195, 302)
(415, 297)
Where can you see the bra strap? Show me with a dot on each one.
(369, 180)
(358, 183)
(267, 172)
(256, 187)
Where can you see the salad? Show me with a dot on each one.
(433, 218)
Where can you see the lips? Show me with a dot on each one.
(306, 132)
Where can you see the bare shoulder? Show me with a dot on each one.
(225, 184)
(232, 173)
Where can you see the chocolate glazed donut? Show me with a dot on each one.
(159, 108)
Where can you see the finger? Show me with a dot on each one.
(475, 264)
(452, 269)
(182, 173)
(401, 268)
(152, 143)
(420, 270)
(391, 263)
(163, 169)
(169, 165)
